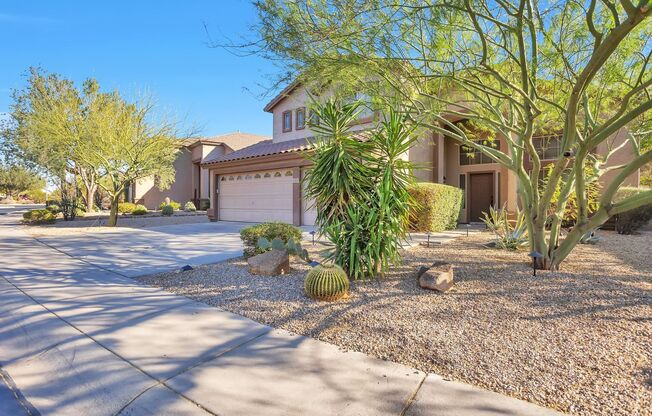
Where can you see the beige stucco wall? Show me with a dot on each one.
(297, 99)
(620, 157)
(422, 154)
(180, 191)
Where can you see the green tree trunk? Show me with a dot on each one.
(113, 216)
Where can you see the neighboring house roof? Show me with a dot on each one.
(281, 95)
(268, 148)
(235, 141)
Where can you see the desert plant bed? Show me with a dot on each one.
(578, 340)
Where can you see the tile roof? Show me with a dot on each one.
(267, 148)
(236, 140)
(264, 148)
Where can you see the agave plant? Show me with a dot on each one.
(511, 235)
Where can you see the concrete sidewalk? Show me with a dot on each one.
(81, 340)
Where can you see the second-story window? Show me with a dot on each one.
(472, 156)
(547, 147)
(313, 118)
(287, 121)
(301, 118)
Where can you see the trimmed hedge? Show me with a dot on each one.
(167, 210)
(139, 210)
(269, 230)
(437, 207)
(39, 216)
(630, 221)
(174, 204)
(189, 207)
(126, 207)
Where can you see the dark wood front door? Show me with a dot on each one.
(481, 194)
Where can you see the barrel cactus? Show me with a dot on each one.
(326, 282)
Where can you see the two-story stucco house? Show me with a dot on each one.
(262, 182)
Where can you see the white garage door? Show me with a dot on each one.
(309, 213)
(256, 196)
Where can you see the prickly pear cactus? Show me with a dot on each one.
(326, 282)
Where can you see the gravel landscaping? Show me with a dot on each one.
(579, 340)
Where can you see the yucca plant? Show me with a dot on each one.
(360, 189)
(510, 236)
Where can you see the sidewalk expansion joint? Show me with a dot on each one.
(20, 398)
(413, 395)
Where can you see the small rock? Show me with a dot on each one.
(270, 263)
(422, 270)
(438, 277)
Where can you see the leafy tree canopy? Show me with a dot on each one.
(577, 68)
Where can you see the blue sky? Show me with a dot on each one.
(143, 47)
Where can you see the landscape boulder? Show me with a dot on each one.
(437, 277)
(270, 263)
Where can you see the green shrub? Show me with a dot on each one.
(437, 207)
(126, 207)
(630, 221)
(39, 216)
(270, 231)
(360, 189)
(189, 207)
(80, 212)
(167, 210)
(139, 210)
(326, 282)
(54, 208)
(174, 204)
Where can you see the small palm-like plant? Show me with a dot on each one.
(510, 235)
(360, 188)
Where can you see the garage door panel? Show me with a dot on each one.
(258, 203)
(255, 197)
(255, 215)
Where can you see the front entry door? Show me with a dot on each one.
(481, 194)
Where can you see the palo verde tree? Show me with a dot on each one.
(132, 144)
(49, 125)
(512, 69)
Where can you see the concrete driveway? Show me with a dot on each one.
(133, 252)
